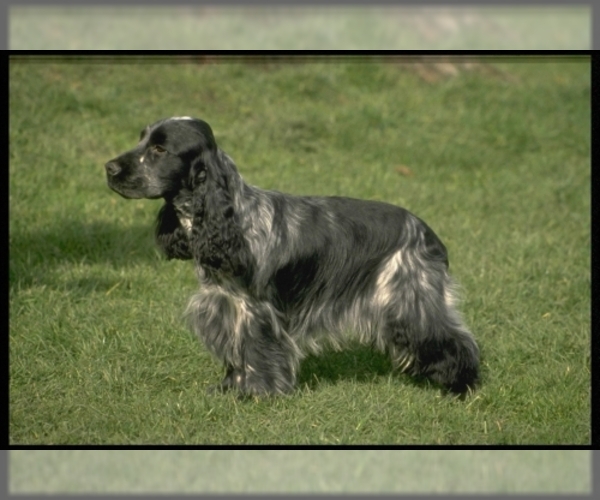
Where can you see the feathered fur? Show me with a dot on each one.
(279, 273)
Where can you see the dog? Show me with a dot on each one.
(281, 273)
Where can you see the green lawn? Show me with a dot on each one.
(308, 471)
(496, 159)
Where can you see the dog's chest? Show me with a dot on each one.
(183, 207)
(186, 223)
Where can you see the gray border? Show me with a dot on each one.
(594, 466)
(595, 12)
(299, 3)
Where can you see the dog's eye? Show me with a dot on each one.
(158, 149)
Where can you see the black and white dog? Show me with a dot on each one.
(278, 273)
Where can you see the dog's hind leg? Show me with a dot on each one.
(424, 332)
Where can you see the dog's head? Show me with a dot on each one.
(168, 156)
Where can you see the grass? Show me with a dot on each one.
(496, 159)
(285, 471)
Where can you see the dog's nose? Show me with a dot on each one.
(112, 168)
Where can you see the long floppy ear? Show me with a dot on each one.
(217, 239)
(171, 237)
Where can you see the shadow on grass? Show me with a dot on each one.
(35, 255)
(356, 362)
(363, 364)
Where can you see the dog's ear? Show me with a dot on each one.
(204, 152)
(217, 237)
(171, 237)
(198, 170)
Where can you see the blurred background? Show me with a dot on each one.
(294, 471)
(314, 27)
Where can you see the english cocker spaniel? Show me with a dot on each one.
(278, 273)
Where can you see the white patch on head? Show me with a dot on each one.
(142, 159)
(181, 118)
